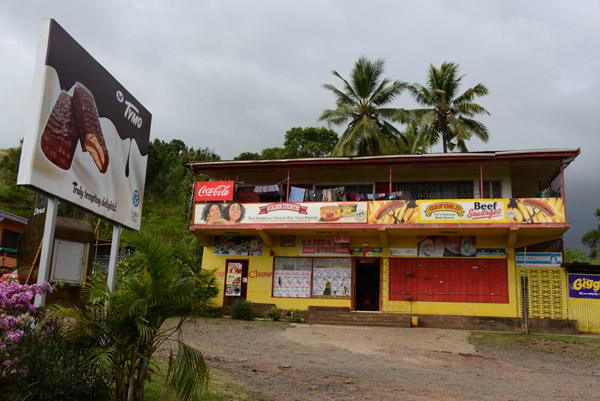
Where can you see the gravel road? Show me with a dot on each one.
(321, 362)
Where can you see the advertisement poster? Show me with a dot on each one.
(584, 286)
(462, 211)
(447, 246)
(547, 259)
(214, 191)
(87, 137)
(233, 280)
(332, 278)
(291, 283)
(242, 246)
(534, 210)
(403, 251)
(282, 212)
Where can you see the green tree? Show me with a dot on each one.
(591, 239)
(272, 153)
(248, 156)
(14, 198)
(309, 142)
(122, 329)
(359, 104)
(447, 114)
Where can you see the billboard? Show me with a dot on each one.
(87, 137)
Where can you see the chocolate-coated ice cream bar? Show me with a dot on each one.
(88, 126)
(59, 138)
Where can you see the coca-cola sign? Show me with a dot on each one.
(214, 191)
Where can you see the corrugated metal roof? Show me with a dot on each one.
(428, 156)
(9, 216)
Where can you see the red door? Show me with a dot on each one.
(236, 281)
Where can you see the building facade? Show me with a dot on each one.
(448, 234)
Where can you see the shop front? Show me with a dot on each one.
(437, 239)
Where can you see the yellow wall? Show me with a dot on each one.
(260, 273)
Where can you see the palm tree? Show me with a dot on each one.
(369, 131)
(122, 329)
(447, 114)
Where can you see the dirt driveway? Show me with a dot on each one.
(319, 362)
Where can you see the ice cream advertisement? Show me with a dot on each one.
(87, 137)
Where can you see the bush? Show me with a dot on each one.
(274, 313)
(241, 310)
(36, 362)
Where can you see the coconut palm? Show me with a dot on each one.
(448, 115)
(122, 329)
(359, 105)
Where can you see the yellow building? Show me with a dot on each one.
(435, 234)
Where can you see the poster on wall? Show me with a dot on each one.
(584, 286)
(332, 278)
(233, 281)
(87, 137)
(291, 277)
(447, 246)
(462, 211)
(242, 246)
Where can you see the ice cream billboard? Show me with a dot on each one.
(87, 137)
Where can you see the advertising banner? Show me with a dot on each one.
(87, 137)
(543, 259)
(584, 286)
(214, 191)
(462, 211)
(282, 212)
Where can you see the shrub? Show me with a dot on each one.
(274, 313)
(36, 362)
(241, 310)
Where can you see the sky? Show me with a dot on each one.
(235, 75)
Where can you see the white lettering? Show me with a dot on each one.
(131, 113)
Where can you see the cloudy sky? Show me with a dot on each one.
(234, 76)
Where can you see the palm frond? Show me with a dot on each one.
(188, 374)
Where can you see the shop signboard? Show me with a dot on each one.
(543, 259)
(584, 286)
(86, 140)
(322, 247)
(240, 246)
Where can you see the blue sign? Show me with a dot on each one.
(584, 286)
(544, 259)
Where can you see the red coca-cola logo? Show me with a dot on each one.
(214, 190)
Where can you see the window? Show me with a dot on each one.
(492, 189)
(312, 277)
(435, 190)
(10, 239)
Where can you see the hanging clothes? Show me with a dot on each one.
(263, 189)
(297, 194)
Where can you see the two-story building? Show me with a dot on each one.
(445, 234)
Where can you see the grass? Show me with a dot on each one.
(578, 347)
(221, 387)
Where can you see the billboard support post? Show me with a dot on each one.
(114, 252)
(47, 244)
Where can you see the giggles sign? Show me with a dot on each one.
(584, 286)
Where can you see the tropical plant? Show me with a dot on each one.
(309, 142)
(591, 239)
(123, 329)
(447, 114)
(369, 130)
